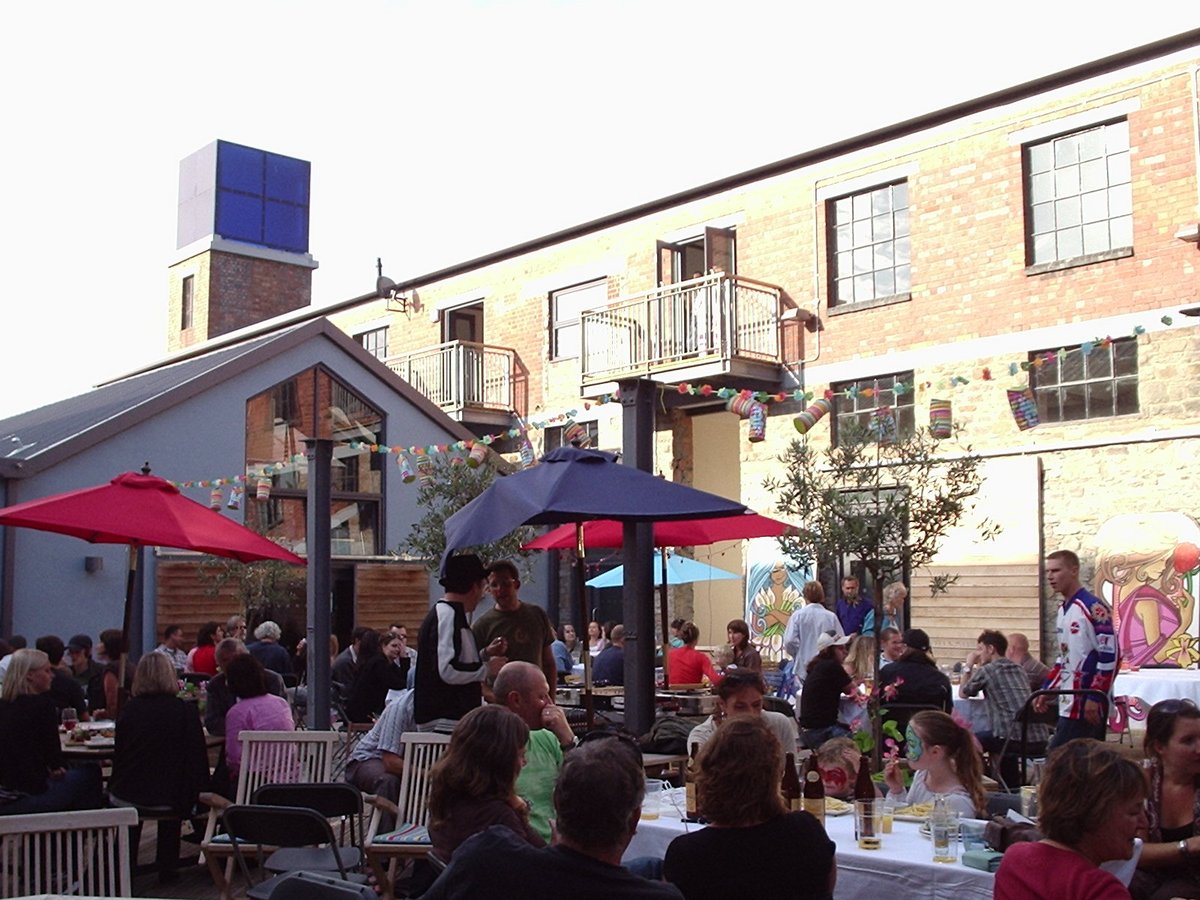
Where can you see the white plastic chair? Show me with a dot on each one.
(410, 838)
(84, 852)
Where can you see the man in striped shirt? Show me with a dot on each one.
(1087, 652)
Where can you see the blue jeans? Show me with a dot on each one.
(79, 788)
(647, 867)
(813, 738)
(1069, 729)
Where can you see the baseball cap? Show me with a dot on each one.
(916, 639)
(829, 639)
(79, 642)
(462, 571)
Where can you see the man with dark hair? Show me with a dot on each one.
(891, 648)
(172, 646)
(451, 670)
(220, 699)
(83, 667)
(597, 801)
(345, 664)
(64, 689)
(400, 630)
(1087, 652)
(609, 665)
(851, 608)
(1005, 688)
(525, 627)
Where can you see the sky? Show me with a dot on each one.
(438, 131)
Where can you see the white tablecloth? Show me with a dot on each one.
(1146, 687)
(903, 867)
(974, 711)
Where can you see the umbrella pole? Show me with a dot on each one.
(585, 652)
(126, 622)
(666, 624)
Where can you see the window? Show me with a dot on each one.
(187, 304)
(876, 409)
(565, 307)
(869, 244)
(315, 404)
(374, 341)
(1073, 384)
(1079, 197)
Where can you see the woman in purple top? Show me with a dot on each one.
(255, 709)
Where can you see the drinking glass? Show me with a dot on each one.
(70, 719)
(868, 823)
(1029, 801)
(652, 804)
(943, 831)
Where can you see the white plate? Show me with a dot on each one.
(100, 742)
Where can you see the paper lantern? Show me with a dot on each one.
(941, 421)
(807, 419)
(262, 488)
(477, 455)
(576, 435)
(424, 468)
(528, 458)
(235, 498)
(758, 423)
(883, 425)
(1024, 409)
(214, 498)
(741, 404)
(407, 475)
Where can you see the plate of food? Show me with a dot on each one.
(100, 741)
(836, 807)
(915, 812)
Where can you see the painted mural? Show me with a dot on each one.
(1146, 567)
(773, 593)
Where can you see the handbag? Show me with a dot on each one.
(1002, 832)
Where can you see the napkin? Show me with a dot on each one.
(986, 860)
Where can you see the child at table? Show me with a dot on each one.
(945, 760)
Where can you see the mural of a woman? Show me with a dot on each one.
(1145, 565)
(773, 593)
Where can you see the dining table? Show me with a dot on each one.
(1145, 687)
(902, 867)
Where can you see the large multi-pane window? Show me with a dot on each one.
(314, 404)
(874, 408)
(869, 244)
(565, 307)
(1072, 384)
(1079, 197)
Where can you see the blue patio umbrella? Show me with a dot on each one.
(680, 570)
(575, 485)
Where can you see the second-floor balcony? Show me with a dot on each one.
(706, 327)
(470, 382)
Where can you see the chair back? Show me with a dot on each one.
(84, 852)
(336, 800)
(421, 751)
(284, 757)
(279, 826)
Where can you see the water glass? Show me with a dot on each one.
(652, 804)
(868, 823)
(943, 831)
(1029, 801)
(972, 831)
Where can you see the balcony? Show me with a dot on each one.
(472, 383)
(715, 327)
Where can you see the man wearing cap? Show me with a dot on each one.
(83, 667)
(825, 685)
(915, 677)
(451, 669)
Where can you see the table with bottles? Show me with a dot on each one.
(902, 867)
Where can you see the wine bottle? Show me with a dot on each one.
(689, 781)
(814, 790)
(864, 787)
(790, 785)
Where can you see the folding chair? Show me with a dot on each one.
(84, 852)
(1027, 714)
(267, 757)
(303, 834)
(336, 800)
(410, 838)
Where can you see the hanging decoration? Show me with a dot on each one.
(882, 426)
(477, 456)
(407, 475)
(262, 489)
(576, 435)
(424, 468)
(941, 420)
(758, 423)
(235, 498)
(214, 498)
(807, 419)
(1024, 408)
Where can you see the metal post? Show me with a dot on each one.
(319, 452)
(637, 401)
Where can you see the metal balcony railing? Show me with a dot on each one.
(460, 375)
(713, 318)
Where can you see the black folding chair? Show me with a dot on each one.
(335, 800)
(304, 833)
(1027, 715)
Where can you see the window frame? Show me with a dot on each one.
(558, 326)
(888, 381)
(363, 339)
(837, 254)
(1063, 356)
(187, 302)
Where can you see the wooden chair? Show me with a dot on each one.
(84, 852)
(279, 757)
(410, 838)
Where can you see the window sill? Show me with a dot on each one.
(878, 302)
(1075, 261)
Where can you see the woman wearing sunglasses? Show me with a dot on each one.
(1170, 861)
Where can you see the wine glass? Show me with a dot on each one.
(70, 718)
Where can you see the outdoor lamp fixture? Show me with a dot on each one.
(1190, 311)
(397, 300)
(93, 564)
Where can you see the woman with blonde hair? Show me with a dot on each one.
(860, 657)
(33, 773)
(737, 790)
(946, 761)
(474, 785)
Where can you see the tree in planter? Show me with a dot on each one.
(452, 486)
(887, 504)
(264, 590)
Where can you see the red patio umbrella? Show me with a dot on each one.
(683, 533)
(143, 511)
